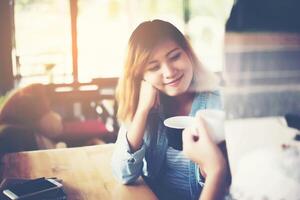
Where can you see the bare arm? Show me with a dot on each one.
(127, 159)
(136, 131)
(147, 99)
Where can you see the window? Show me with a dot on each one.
(207, 28)
(104, 28)
(43, 43)
(44, 39)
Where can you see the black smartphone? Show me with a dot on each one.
(30, 188)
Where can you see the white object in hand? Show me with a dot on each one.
(213, 119)
(214, 123)
(180, 122)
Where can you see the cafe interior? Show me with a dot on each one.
(75, 49)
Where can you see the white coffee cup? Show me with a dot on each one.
(175, 127)
(213, 119)
(214, 122)
(180, 122)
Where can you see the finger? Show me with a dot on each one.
(195, 138)
(186, 141)
(201, 127)
(189, 135)
(185, 135)
(195, 134)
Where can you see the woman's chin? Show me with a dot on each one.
(174, 93)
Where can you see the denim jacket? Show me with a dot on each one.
(148, 161)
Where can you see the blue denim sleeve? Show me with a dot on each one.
(127, 166)
(214, 100)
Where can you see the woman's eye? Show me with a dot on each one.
(175, 56)
(153, 68)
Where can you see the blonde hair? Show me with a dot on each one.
(140, 46)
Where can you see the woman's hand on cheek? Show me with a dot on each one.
(198, 146)
(148, 97)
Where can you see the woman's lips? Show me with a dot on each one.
(174, 82)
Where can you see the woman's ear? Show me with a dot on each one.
(50, 124)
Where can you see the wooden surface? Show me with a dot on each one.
(85, 171)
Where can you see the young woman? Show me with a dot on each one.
(163, 78)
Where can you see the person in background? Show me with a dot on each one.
(164, 78)
(29, 107)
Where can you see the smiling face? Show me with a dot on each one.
(169, 69)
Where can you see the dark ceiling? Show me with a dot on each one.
(265, 15)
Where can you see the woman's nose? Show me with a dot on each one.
(168, 71)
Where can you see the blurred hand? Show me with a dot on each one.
(148, 97)
(199, 147)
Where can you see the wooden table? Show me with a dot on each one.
(85, 171)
